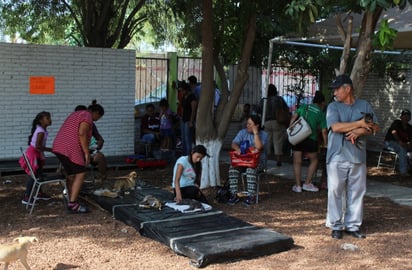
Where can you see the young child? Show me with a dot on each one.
(35, 152)
(166, 125)
(186, 175)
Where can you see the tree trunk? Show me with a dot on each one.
(346, 37)
(207, 133)
(205, 128)
(362, 63)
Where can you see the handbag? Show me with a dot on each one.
(249, 159)
(299, 130)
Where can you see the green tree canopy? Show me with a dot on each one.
(98, 23)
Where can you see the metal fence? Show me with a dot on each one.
(151, 80)
(294, 86)
(188, 66)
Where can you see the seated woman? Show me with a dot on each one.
(186, 175)
(254, 137)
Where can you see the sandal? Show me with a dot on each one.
(77, 208)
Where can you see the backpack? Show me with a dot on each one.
(223, 193)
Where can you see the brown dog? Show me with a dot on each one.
(18, 251)
(125, 184)
(150, 201)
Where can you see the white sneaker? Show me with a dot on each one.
(310, 187)
(296, 188)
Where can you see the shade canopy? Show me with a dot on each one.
(326, 31)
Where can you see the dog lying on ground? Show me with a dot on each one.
(16, 251)
(125, 184)
(150, 201)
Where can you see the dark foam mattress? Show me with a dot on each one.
(205, 237)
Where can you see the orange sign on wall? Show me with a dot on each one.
(41, 85)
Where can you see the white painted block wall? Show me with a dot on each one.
(81, 74)
(388, 98)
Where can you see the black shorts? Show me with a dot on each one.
(307, 146)
(70, 167)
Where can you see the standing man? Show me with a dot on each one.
(194, 86)
(346, 158)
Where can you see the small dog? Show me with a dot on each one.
(125, 184)
(368, 119)
(17, 251)
(150, 201)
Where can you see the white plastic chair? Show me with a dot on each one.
(41, 180)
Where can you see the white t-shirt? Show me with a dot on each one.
(188, 175)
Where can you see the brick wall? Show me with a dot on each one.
(388, 98)
(81, 74)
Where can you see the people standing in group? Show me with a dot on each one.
(255, 137)
(276, 129)
(399, 139)
(346, 158)
(315, 116)
(35, 153)
(187, 172)
(189, 106)
(150, 125)
(71, 146)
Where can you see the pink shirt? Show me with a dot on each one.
(67, 141)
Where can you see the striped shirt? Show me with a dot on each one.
(67, 141)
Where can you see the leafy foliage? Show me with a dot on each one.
(385, 36)
(35, 21)
(179, 22)
(98, 23)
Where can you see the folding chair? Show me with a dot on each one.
(41, 180)
(261, 175)
(393, 158)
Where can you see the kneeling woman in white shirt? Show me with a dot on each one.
(186, 175)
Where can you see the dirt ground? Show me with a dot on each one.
(97, 241)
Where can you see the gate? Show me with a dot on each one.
(151, 80)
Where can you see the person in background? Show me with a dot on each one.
(346, 158)
(186, 175)
(217, 97)
(316, 119)
(254, 137)
(166, 125)
(246, 113)
(276, 131)
(194, 86)
(150, 125)
(71, 146)
(189, 105)
(399, 139)
(35, 153)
